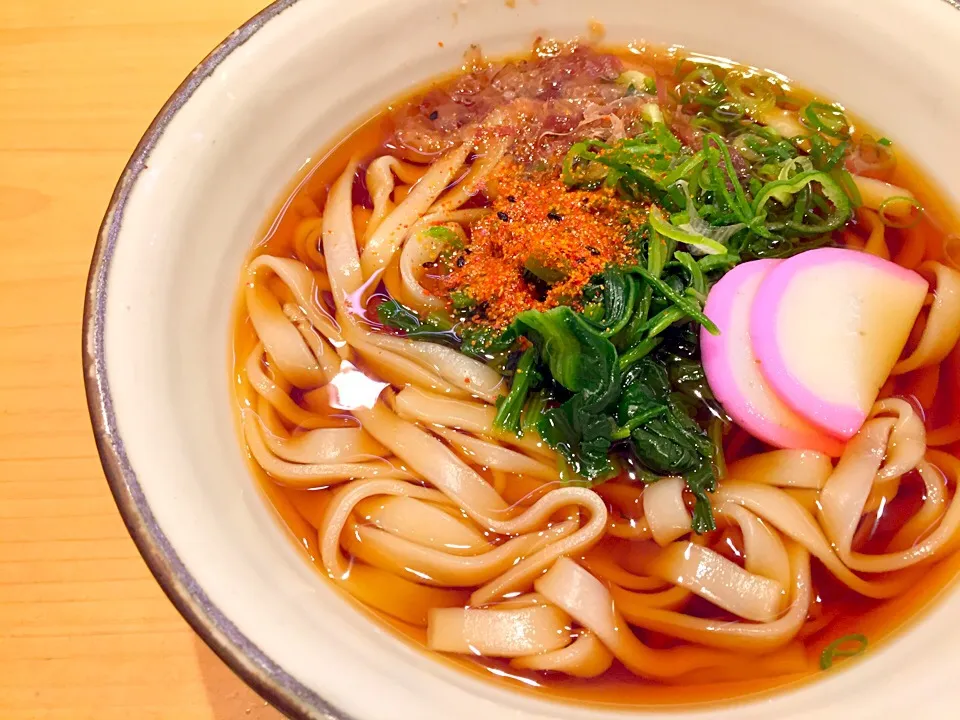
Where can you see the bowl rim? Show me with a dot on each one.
(242, 656)
(260, 672)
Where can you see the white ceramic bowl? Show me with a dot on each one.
(189, 205)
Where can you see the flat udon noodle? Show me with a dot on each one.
(876, 242)
(399, 370)
(806, 469)
(306, 243)
(274, 390)
(389, 234)
(402, 276)
(484, 453)
(280, 337)
(721, 581)
(844, 497)
(321, 445)
(744, 636)
(666, 511)
(942, 331)
(421, 248)
(585, 657)
(381, 184)
(437, 524)
(453, 367)
(310, 475)
(490, 151)
(508, 633)
(476, 418)
(588, 602)
(327, 357)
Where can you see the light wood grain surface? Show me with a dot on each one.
(85, 631)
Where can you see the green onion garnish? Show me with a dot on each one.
(827, 119)
(836, 649)
(444, 235)
(756, 93)
(912, 219)
(886, 142)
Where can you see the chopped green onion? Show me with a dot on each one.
(705, 245)
(579, 170)
(845, 180)
(706, 123)
(836, 650)
(685, 170)
(697, 281)
(737, 200)
(727, 112)
(886, 142)
(462, 300)
(827, 119)
(444, 235)
(652, 114)
(636, 79)
(754, 92)
(550, 274)
(791, 168)
(912, 219)
(832, 192)
(709, 263)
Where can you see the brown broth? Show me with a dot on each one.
(301, 511)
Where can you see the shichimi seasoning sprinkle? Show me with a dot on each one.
(540, 245)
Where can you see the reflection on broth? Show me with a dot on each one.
(628, 376)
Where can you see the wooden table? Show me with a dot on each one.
(85, 631)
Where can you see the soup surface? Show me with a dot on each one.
(628, 376)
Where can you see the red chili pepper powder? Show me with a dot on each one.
(575, 233)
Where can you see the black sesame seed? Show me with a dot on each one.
(461, 261)
(593, 250)
(434, 115)
(503, 216)
(554, 215)
(511, 198)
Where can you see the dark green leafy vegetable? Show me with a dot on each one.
(580, 359)
(434, 327)
(533, 412)
(484, 342)
(581, 436)
(619, 296)
(510, 407)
